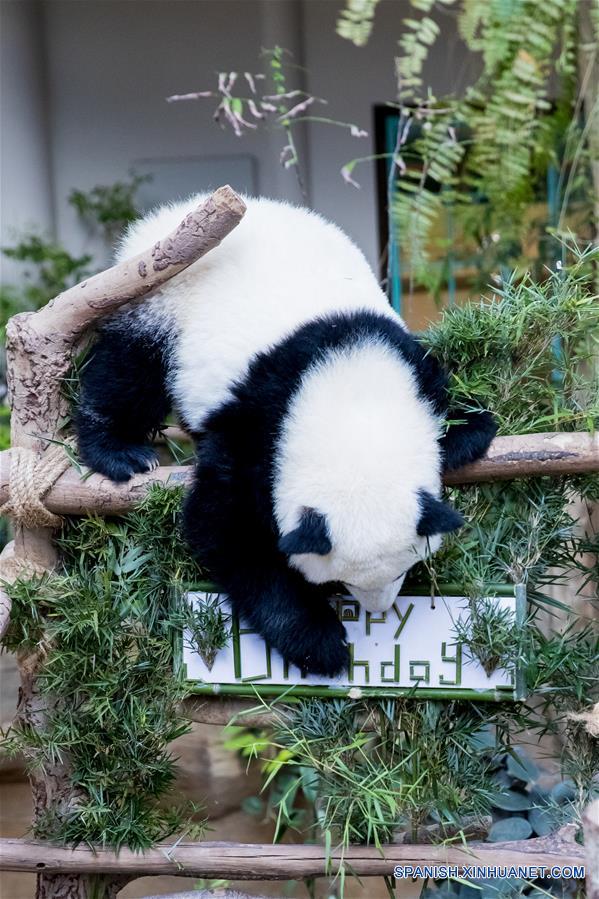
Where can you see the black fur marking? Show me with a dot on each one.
(436, 516)
(468, 441)
(123, 401)
(310, 536)
(228, 515)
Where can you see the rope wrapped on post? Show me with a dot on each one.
(31, 477)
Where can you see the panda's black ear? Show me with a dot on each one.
(468, 439)
(310, 536)
(436, 517)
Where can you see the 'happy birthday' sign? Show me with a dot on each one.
(411, 649)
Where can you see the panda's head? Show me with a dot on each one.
(371, 567)
(359, 476)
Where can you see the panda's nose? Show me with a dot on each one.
(380, 599)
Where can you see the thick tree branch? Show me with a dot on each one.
(528, 455)
(254, 861)
(508, 457)
(74, 311)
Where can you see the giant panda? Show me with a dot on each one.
(319, 420)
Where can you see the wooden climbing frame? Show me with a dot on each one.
(40, 349)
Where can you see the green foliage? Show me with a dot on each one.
(528, 354)
(479, 164)
(4, 427)
(418, 37)
(355, 21)
(286, 780)
(382, 766)
(49, 269)
(422, 193)
(519, 531)
(563, 670)
(111, 207)
(490, 633)
(105, 625)
(208, 629)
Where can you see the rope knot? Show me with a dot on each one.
(31, 477)
(590, 719)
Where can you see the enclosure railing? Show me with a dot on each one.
(37, 485)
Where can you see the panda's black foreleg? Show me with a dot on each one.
(293, 616)
(123, 401)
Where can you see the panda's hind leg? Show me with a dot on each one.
(123, 399)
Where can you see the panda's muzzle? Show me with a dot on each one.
(380, 599)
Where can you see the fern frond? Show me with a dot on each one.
(356, 20)
(418, 37)
(418, 196)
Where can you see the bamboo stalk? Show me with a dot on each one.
(526, 455)
(255, 861)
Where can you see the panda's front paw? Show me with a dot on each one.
(120, 465)
(133, 460)
(325, 653)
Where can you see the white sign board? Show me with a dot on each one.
(411, 649)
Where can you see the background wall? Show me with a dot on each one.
(84, 98)
(25, 180)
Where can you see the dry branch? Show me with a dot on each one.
(532, 454)
(75, 310)
(208, 894)
(254, 861)
(508, 457)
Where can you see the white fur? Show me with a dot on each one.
(359, 443)
(357, 446)
(281, 267)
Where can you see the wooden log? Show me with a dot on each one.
(74, 495)
(74, 311)
(520, 456)
(590, 822)
(256, 861)
(208, 894)
(224, 710)
(527, 455)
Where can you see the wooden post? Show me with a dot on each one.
(40, 348)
